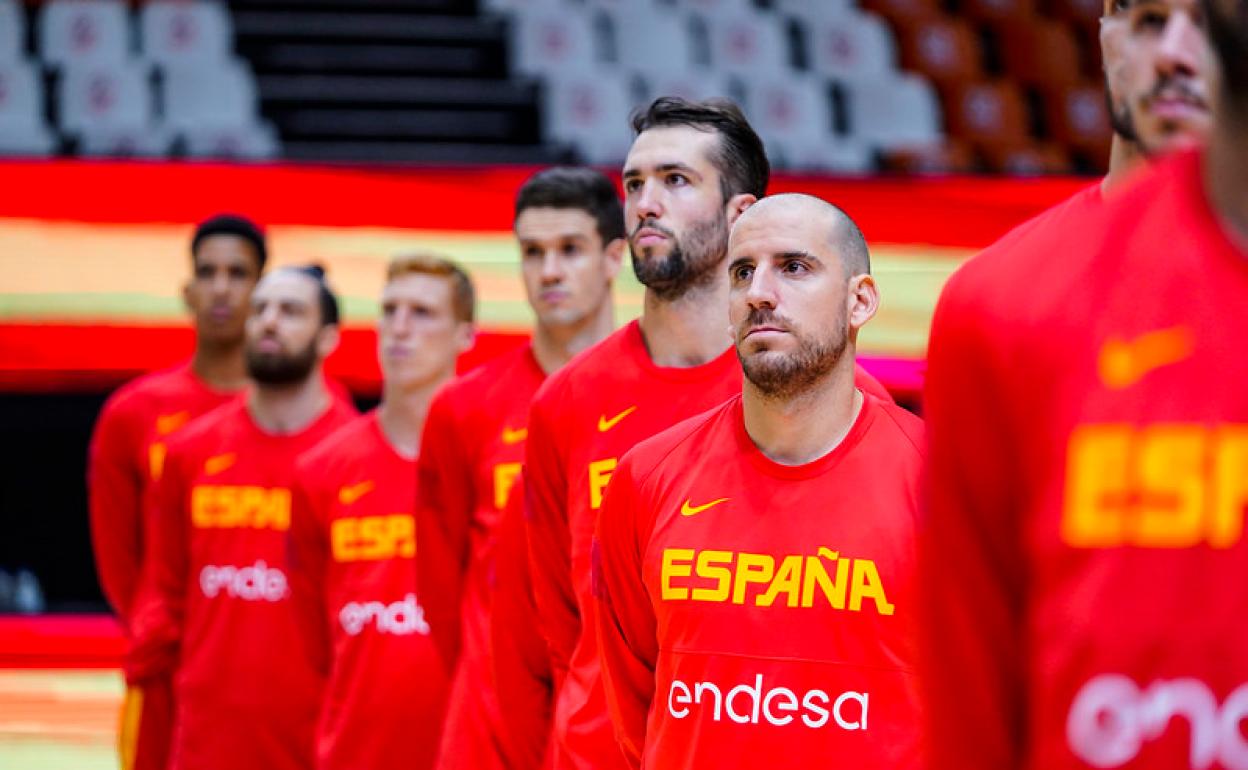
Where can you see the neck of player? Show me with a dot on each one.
(555, 345)
(288, 409)
(1124, 158)
(402, 413)
(689, 330)
(800, 429)
(220, 367)
(1226, 172)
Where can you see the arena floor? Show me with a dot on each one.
(59, 719)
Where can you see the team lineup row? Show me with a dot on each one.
(709, 538)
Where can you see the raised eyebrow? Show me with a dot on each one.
(785, 255)
(739, 261)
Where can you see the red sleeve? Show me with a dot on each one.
(867, 383)
(970, 557)
(156, 623)
(627, 628)
(549, 534)
(445, 501)
(308, 546)
(114, 492)
(520, 656)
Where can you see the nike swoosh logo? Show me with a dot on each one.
(514, 435)
(168, 423)
(693, 510)
(1122, 362)
(214, 465)
(605, 425)
(348, 495)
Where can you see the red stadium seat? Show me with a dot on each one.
(998, 12)
(1042, 53)
(1078, 118)
(987, 114)
(903, 13)
(949, 157)
(1028, 159)
(946, 50)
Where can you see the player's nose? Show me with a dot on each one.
(761, 291)
(552, 267)
(648, 204)
(1181, 44)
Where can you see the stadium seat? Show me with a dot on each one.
(747, 43)
(548, 42)
(1029, 159)
(209, 97)
(791, 113)
(12, 25)
(255, 141)
(84, 32)
(1042, 53)
(805, 10)
(716, 6)
(893, 111)
(903, 14)
(987, 114)
(998, 13)
(589, 110)
(1078, 118)
(654, 44)
(180, 32)
(692, 85)
(948, 157)
(853, 45)
(138, 142)
(1081, 13)
(947, 50)
(23, 130)
(103, 99)
(834, 156)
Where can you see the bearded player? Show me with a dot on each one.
(693, 168)
(755, 564)
(1084, 556)
(353, 536)
(227, 257)
(214, 607)
(569, 226)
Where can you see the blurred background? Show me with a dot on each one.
(358, 129)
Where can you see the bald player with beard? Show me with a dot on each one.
(755, 564)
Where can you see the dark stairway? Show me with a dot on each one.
(406, 81)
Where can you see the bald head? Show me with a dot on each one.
(815, 217)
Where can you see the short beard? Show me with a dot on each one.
(1120, 119)
(692, 261)
(281, 369)
(782, 378)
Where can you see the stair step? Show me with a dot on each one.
(340, 89)
(427, 152)
(430, 124)
(428, 59)
(411, 28)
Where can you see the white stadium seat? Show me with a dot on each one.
(790, 113)
(255, 141)
(146, 142)
(82, 32)
(894, 111)
(836, 156)
(23, 130)
(853, 44)
(97, 98)
(589, 110)
(652, 42)
(748, 43)
(806, 10)
(209, 97)
(544, 42)
(179, 32)
(12, 22)
(691, 85)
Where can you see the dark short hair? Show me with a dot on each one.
(232, 224)
(575, 187)
(325, 296)
(463, 295)
(740, 157)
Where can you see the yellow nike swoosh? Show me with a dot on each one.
(605, 425)
(168, 423)
(514, 435)
(692, 510)
(214, 465)
(1122, 362)
(348, 495)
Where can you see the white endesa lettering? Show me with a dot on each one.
(1111, 718)
(256, 583)
(400, 618)
(745, 704)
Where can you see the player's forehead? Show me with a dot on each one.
(286, 286)
(1114, 6)
(225, 248)
(542, 223)
(418, 288)
(671, 147)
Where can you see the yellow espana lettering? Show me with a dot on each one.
(1230, 486)
(1170, 476)
(816, 574)
(505, 476)
(677, 562)
(787, 582)
(230, 507)
(1096, 485)
(867, 585)
(373, 538)
(713, 565)
(403, 535)
(751, 568)
(343, 536)
(599, 475)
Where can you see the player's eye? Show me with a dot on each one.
(794, 267)
(742, 272)
(1151, 19)
(677, 180)
(532, 252)
(632, 185)
(388, 309)
(570, 249)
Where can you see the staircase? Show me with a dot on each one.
(395, 81)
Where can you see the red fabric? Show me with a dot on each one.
(1084, 549)
(471, 453)
(518, 650)
(213, 606)
(155, 727)
(60, 641)
(128, 435)
(811, 672)
(353, 570)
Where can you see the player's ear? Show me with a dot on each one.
(188, 299)
(613, 254)
(465, 335)
(327, 340)
(736, 206)
(863, 300)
